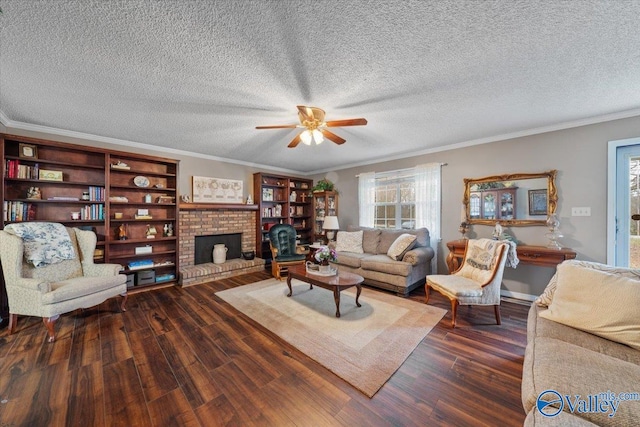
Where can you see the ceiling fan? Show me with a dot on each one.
(312, 119)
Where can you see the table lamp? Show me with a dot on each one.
(331, 225)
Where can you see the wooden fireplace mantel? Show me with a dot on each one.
(535, 255)
(217, 206)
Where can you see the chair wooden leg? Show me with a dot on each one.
(49, 323)
(496, 309)
(454, 312)
(13, 321)
(427, 291)
(124, 302)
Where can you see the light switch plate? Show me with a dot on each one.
(581, 211)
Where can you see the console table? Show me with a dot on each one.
(535, 255)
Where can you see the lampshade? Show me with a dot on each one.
(317, 136)
(330, 223)
(306, 137)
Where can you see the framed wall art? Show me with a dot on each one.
(28, 151)
(538, 202)
(216, 190)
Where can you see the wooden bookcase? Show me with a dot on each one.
(74, 170)
(285, 200)
(324, 203)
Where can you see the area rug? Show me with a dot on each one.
(365, 346)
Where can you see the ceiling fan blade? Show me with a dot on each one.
(306, 113)
(333, 137)
(277, 127)
(346, 122)
(294, 143)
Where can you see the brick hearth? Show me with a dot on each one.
(202, 220)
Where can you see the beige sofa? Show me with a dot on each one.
(380, 270)
(572, 362)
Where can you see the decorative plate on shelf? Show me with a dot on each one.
(141, 181)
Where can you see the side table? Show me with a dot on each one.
(527, 254)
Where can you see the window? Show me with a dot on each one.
(409, 199)
(395, 202)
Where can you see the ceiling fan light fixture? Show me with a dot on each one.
(317, 136)
(306, 137)
(313, 122)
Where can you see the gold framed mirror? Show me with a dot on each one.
(513, 199)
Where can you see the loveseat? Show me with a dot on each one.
(583, 348)
(401, 274)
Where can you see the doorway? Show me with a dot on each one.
(623, 239)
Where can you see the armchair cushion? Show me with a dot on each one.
(295, 257)
(283, 239)
(480, 260)
(79, 287)
(456, 286)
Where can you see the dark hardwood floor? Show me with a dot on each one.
(183, 357)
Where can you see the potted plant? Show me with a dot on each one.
(326, 254)
(324, 185)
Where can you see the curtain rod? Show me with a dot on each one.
(402, 170)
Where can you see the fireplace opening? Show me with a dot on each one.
(204, 246)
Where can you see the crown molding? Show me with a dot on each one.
(503, 137)
(8, 123)
(12, 124)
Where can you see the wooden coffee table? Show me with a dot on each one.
(333, 283)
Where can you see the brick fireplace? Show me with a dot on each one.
(208, 219)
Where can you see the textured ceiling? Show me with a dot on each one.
(199, 76)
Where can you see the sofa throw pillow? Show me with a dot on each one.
(401, 245)
(547, 295)
(349, 241)
(597, 302)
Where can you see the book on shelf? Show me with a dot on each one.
(140, 264)
(18, 211)
(64, 198)
(15, 169)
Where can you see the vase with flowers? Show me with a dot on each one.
(324, 255)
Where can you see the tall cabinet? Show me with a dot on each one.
(282, 200)
(324, 203)
(128, 199)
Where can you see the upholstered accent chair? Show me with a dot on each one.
(477, 281)
(284, 251)
(59, 284)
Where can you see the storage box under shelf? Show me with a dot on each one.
(145, 277)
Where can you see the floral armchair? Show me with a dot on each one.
(49, 270)
(477, 281)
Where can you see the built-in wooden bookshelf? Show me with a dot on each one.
(282, 200)
(128, 199)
